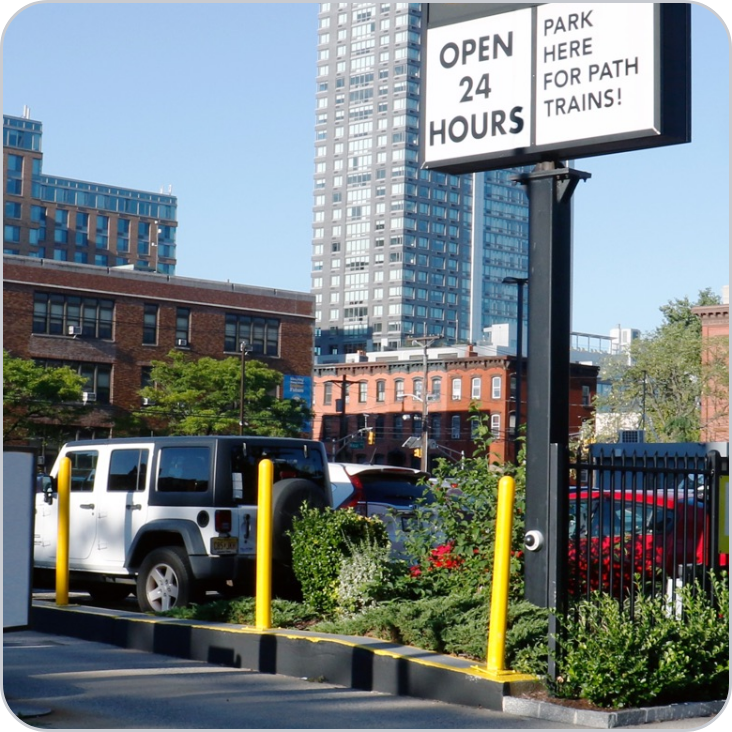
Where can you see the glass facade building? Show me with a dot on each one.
(399, 252)
(50, 217)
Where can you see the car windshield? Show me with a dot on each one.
(397, 490)
(613, 517)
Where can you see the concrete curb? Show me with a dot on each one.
(354, 662)
(606, 720)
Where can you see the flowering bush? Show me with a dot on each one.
(613, 564)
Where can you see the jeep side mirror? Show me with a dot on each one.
(47, 488)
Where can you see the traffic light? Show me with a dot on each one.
(371, 437)
(418, 452)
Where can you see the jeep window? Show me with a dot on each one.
(128, 470)
(184, 469)
(83, 469)
(289, 462)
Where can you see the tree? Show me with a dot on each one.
(660, 382)
(35, 397)
(201, 397)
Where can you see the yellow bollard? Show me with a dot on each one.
(496, 656)
(63, 482)
(263, 602)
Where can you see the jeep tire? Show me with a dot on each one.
(165, 580)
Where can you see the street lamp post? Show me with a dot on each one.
(520, 282)
(244, 348)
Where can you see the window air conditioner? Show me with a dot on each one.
(74, 330)
(632, 436)
(147, 402)
(181, 342)
(88, 396)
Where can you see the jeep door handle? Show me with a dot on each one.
(134, 507)
(87, 505)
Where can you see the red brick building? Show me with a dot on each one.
(110, 324)
(715, 401)
(381, 395)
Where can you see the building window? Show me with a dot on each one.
(102, 233)
(11, 234)
(457, 389)
(398, 427)
(586, 396)
(474, 427)
(262, 334)
(98, 377)
(417, 387)
(496, 425)
(150, 324)
(327, 393)
(182, 327)
(436, 392)
(399, 389)
(363, 391)
(12, 210)
(381, 391)
(475, 387)
(455, 427)
(435, 426)
(55, 314)
(496, 386)
(379, 423)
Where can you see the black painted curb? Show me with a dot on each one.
(350, 661)
(355, 662)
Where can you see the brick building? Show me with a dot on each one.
(715, 340)
(384, 393)
(110, 324)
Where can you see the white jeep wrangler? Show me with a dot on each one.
(173, 517)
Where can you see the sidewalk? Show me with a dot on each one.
(353, 662)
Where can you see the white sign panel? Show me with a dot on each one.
(595, 70)
(553, 81)
(479, 74)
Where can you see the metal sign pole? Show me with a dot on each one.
(550, 190)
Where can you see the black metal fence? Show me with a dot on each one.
(644, 524)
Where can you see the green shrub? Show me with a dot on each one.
(321, 541)
(241, 611)
(617, 659)
(465, 519)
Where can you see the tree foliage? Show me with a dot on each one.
(661, 385)
(36, 398)
(201, 397)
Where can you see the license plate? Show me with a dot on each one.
(224, 545)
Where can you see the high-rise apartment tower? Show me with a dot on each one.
(399, 252)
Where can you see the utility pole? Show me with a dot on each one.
(244, 348)
(425, 341)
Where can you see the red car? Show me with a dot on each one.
(617, 537)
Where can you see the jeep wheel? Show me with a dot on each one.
(165, 580)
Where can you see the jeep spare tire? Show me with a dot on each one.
(287, 499)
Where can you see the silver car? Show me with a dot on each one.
(379, 490)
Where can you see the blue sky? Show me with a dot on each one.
(218, 101)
